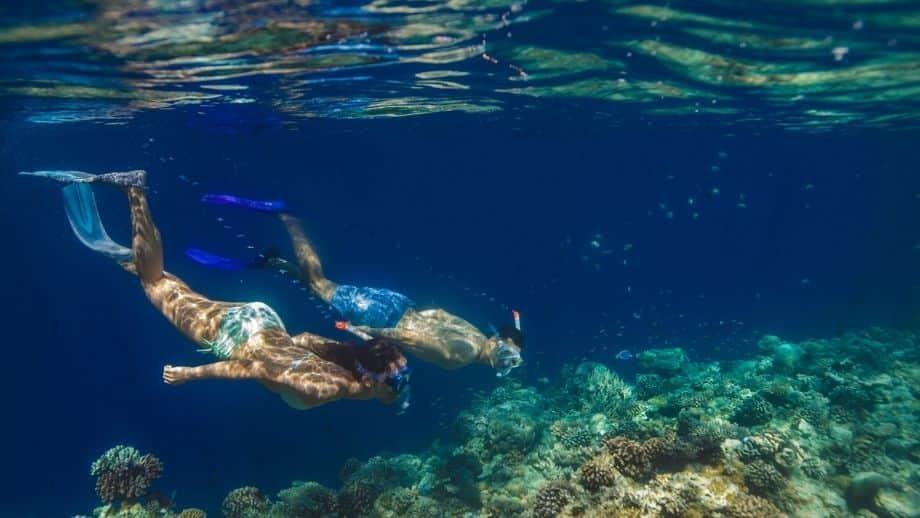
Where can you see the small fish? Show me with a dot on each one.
(624, 355)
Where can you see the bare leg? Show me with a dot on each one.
(196, 316)
(307, 258)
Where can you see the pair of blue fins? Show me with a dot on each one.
(225, 263)
(83, 215)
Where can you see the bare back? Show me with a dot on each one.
(442, 338)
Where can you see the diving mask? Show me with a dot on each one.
(399, 382)
(505, 358)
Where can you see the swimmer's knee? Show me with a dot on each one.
(323, 288)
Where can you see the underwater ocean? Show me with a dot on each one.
(706, 214)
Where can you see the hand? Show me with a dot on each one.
(173, 375)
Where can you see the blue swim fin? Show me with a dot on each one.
(272, 206)
(135, 178)
(61, 176)
(210, 260)
(80, 205)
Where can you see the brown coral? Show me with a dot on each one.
(245, 502)
(749, 506)
(122, 473)
(630, 457)
(192, 513)
(597, 472)
(763, 478)
(551, 499)
(674, 504)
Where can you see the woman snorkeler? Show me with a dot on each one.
(432, 335)
(249, 340)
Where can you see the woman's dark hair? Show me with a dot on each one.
(375, 356)
(513, 333)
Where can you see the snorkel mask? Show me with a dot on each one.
(398, 381)
(505, 357)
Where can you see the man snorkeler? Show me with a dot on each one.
(249, 340)
(432, 335)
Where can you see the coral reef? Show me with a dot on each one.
(122, 473)
(666, 361)
(753, 411)
(551, 499)
(245, 502)
(815, 428)
(308, 500)
(748, 506)
(597, 472)
(763, 478)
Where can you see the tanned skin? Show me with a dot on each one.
(306, 370)
(433, 335)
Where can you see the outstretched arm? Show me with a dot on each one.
(229, 369)
(394, 334)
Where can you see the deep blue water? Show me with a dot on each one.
(609, 228)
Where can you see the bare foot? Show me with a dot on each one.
(173, 375)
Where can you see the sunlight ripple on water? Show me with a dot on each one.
(812, 68)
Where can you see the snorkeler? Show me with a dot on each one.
(432, 335)
(249, 340)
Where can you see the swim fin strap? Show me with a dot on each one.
(80, 205)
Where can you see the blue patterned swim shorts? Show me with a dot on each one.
(371, 307)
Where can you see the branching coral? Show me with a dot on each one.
(593, 387)
(122, 473)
